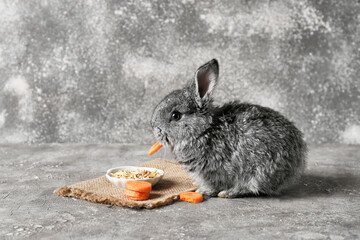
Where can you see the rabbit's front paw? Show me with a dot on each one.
(207, 192)
(230, 193)
(233, 192)
(225, 194)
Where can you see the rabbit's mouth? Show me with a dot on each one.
(167, 141)
(164, 140)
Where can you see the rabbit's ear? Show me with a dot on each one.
(206, 78)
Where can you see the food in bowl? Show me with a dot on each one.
(135, 174)
(121, 182)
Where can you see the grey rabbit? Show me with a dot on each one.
(231, 150)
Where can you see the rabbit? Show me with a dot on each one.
(232, 150)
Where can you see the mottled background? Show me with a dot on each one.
(92, 71)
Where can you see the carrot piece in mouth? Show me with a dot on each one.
(154, 148)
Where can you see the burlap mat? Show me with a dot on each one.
(167, 190)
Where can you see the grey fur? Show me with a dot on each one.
(232, 150)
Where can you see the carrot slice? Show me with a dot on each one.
(154, 148)
(139, 186)
(136, 195)
(192, 197)
(139, 198)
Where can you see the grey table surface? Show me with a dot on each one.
(324, 205)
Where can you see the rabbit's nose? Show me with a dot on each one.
(157, 129)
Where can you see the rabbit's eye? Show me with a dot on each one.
(175, 116)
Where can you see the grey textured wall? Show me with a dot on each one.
(92, 71)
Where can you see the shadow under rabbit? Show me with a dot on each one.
(316, 185)
(311, 185)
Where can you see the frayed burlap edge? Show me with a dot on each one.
(92, 197)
